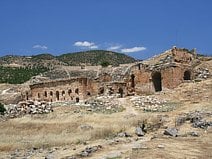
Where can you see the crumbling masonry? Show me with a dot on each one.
(165, 71)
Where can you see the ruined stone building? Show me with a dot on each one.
(165, 71)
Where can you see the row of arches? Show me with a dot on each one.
(59, 95)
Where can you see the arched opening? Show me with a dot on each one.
(101, 90)
(121, 92)
(156, 79)
(77, 100)
(38, 95)
(77, 91)
(57, 95)
(187, 75)
(45, 94)
(132, 80)
(63, 95)
(27, 96)
(51, 93)
(139, 66)
(69, 92)
(88, 93)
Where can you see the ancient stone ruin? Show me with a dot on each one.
(165, 71)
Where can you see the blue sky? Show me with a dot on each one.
(139, 28)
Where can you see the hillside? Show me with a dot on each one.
(19, 69)
(95, 57)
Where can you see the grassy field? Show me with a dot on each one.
(70, 131)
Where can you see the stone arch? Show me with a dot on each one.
(57, 95)
(45, 94)
(38, 95)
(77, 90)
(187, 75)
(69, 92)
(121, 92)
(51, 93)
(63, 95)
(27, 96)
(77, 99)
(157, 81)
(132, 80)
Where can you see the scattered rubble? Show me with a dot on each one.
(196, 119)
(171, 132)
(103, 104)
(89, 150)
(124, 134)
(139, 131)
(152, 104)
(202, 73)
(194, 134)
(28, 107)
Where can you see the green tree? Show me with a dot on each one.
(105, 64)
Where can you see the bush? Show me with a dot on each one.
(2, 109)
(105, 63)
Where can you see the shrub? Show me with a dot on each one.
(105, 63)
(2, 109)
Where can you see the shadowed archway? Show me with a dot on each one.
(57, 95)
(156, 79)
(121, 92)
(132, 80)
(187, 75)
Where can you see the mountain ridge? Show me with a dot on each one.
(92, 57)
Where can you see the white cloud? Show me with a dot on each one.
(133, 49)
(42, 47)
(115, 47)
(87, 44)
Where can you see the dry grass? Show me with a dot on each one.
(62, 127)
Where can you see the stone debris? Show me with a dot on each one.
(196, 119)
(103, 104)
(152, 104)
(171, 132)
(139, 131)
(124, 134)
(89, 150)
(193, 133)
(28, 107)
(86, 127)
(202, 73)
(202, 124)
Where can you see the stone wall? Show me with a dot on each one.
(173, 68)
(63, 90)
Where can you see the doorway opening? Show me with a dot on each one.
(57, 95)
(187, 75)
(132, 80)
(156, 79)
(121, 92)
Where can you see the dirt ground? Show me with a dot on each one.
(68, 131)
